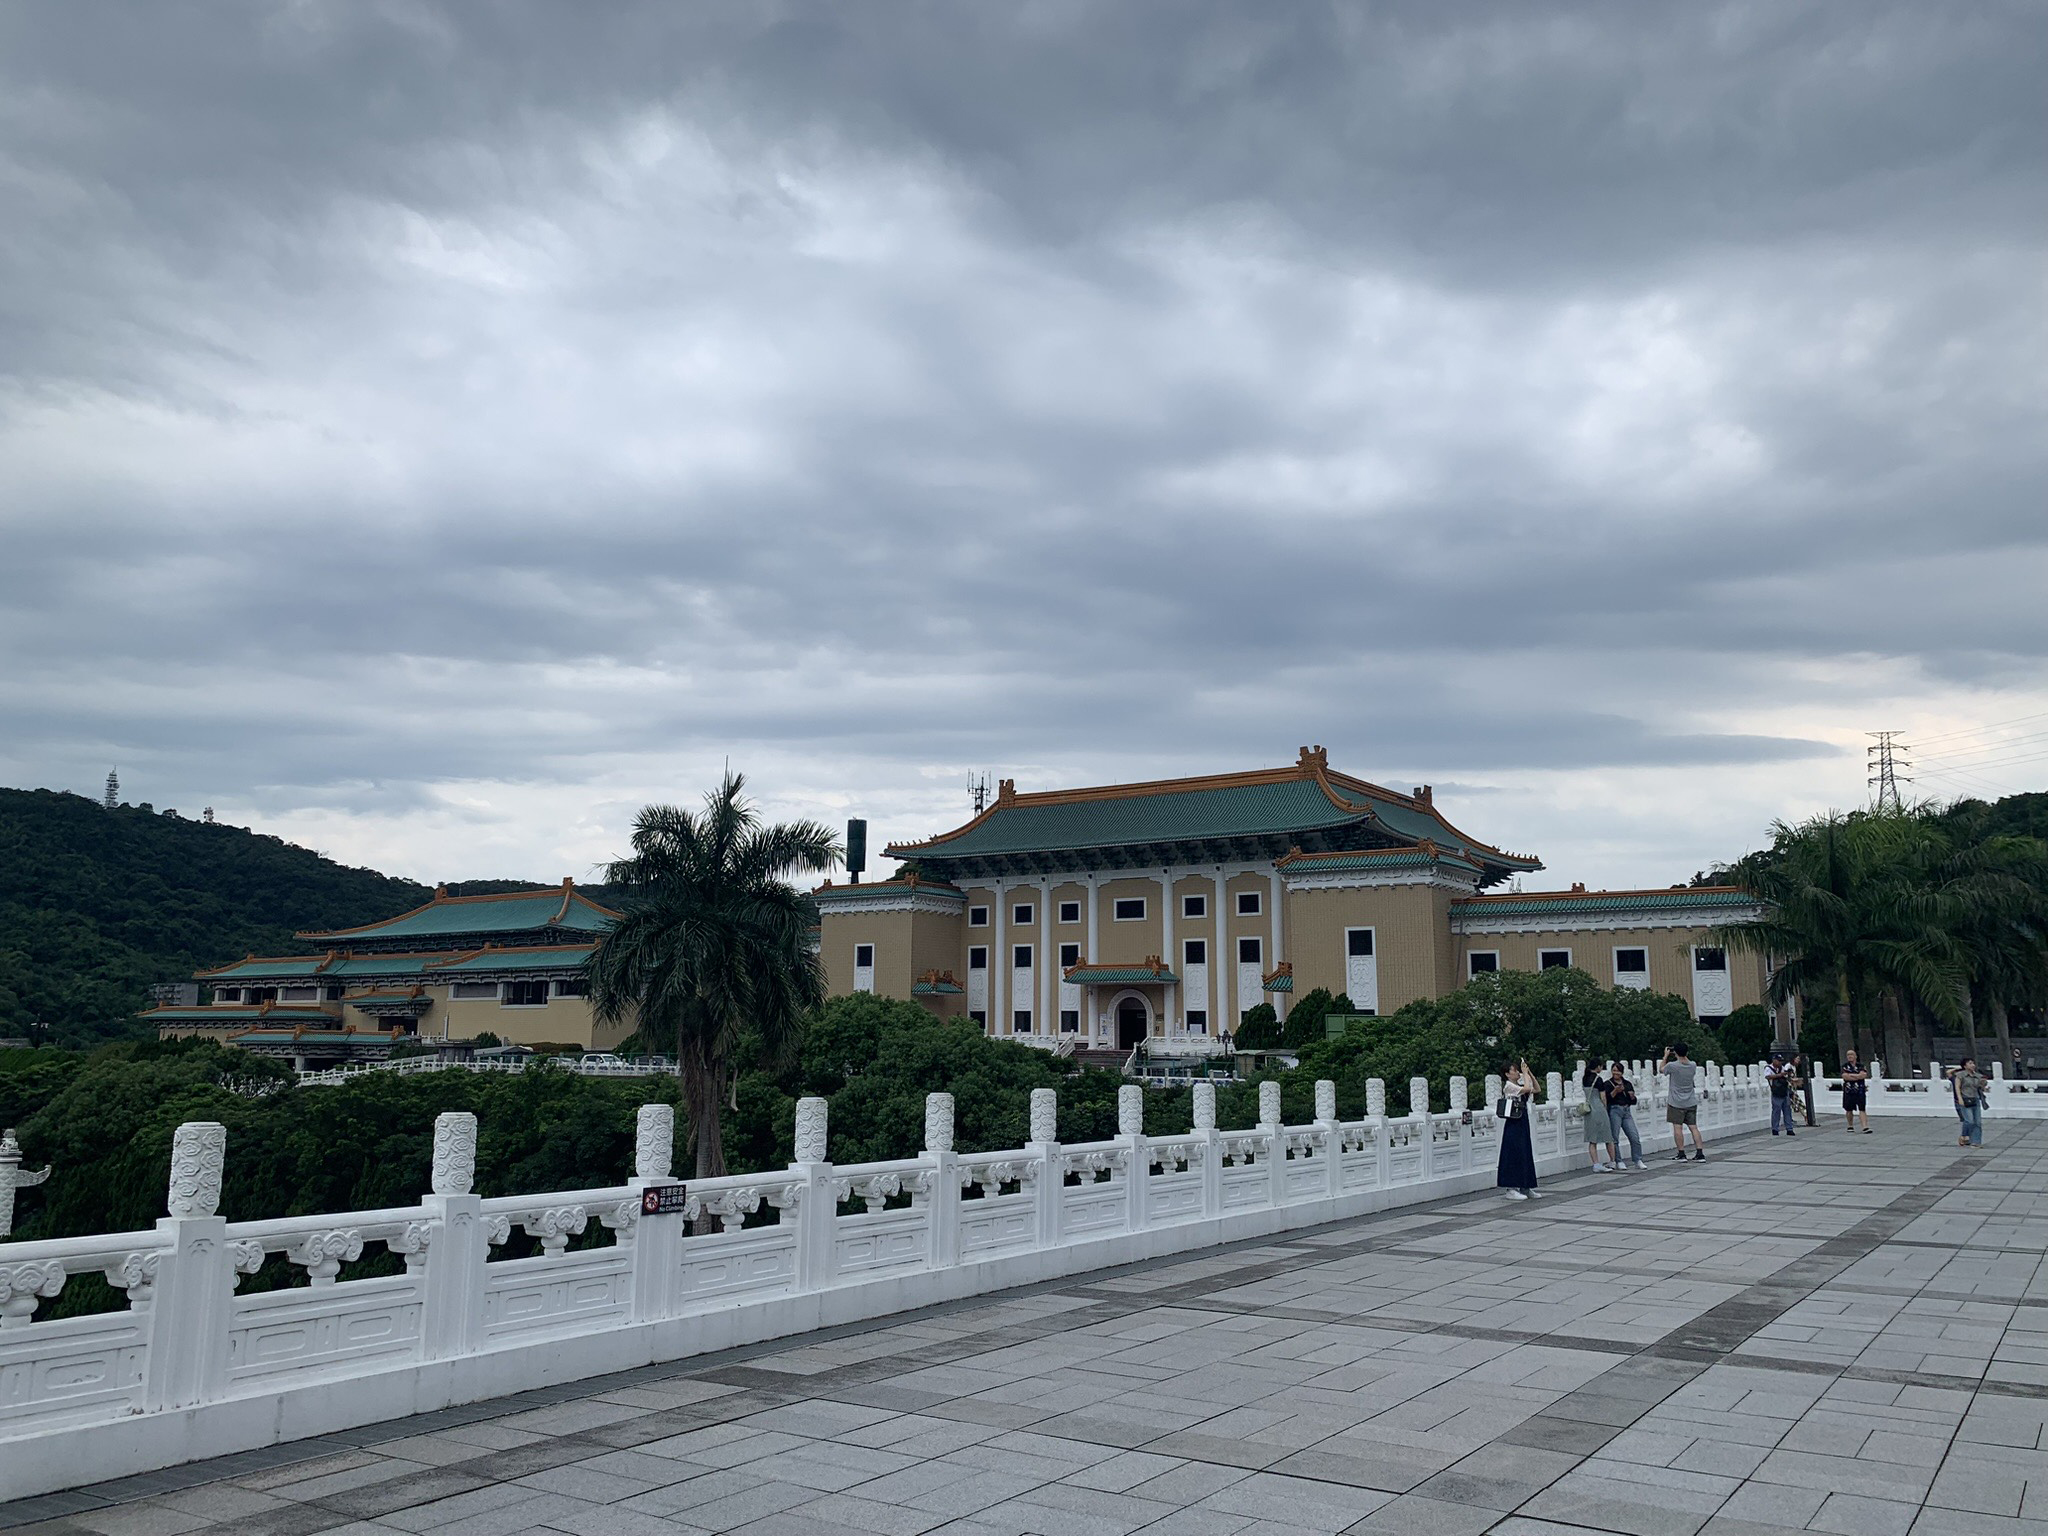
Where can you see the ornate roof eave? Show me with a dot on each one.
(1253, 848)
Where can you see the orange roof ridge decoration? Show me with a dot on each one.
(1284, 968)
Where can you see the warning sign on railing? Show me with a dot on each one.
(664, 1199)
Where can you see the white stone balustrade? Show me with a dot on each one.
(191, 1367)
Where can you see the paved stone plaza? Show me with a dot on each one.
(1844, 1334)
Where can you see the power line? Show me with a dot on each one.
(1884, 762)
(1978, 730)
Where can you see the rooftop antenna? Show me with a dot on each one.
(1884, 762)
(113, 795)
(856, 848)
(977, 791)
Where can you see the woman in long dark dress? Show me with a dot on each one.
(1517, 1175)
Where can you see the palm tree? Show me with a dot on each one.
(714, 950)
(1849, 913)
(2005, 938)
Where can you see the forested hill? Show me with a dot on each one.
(96, 905)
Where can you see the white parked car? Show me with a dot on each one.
(600, 1061)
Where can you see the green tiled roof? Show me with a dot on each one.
(1376, 858)
(563, 957)
(1116, 975)
(1562, 904)
(242, 1013)
(282, 965)
(509, 912)
(1270, 810)
(309, 1037)
(935, 989)
(1284, 982)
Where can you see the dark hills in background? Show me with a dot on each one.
(96, 906)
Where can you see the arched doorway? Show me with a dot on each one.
(1133, 1022)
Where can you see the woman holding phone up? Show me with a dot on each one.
(1517, 1175)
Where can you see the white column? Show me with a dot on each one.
(1167, 956)
(1047, 957)
(1093, 956)
(999, 964)
(1280, 999)
(1223, 963)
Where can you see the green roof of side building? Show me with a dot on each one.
(1563, 905)
(453, 917)
(1117, 975)
(1271, 810)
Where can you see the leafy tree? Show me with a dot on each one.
(1747, 1034)
(1259, 1029)
(1304, 1023)
(714, 949)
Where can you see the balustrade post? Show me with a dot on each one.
(658, 1244)
(1376, 1121)
(943, 1172)
(1460, 1108)
(1418, 1111)
(1553, 1094)
(191, 1312)
(1332, 1136)
(452, 1303)
(1275, 1130)
(1212, 1149)
(1045, 1146)
(1130, 1129)
(817, 1210)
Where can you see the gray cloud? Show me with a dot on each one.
(429, 430)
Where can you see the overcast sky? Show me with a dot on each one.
(429, 433)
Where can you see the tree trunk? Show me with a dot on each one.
(1845, 1029)
(1898, 1043)
(2003, 1027)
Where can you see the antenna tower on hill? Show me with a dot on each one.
(113, 795)
(1885, 762)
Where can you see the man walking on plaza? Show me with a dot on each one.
(1855, 1091)
(1779, 1076)
(1682, 1100)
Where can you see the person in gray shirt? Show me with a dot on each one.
(1682, 1100)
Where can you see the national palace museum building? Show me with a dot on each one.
(1155, 913)
(1162, 912)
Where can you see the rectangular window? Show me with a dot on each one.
(1024, 914)
(525, 994)
(863, 954)
(1250, 952)
(1482, 961)
(977, 917)
(1070, 911)
(473, 991)
(1129, 909)
(1553, 959)
(1070, 1021)
(298, 994)
(575, 986)
(977, 957)
(1020, 957)
(1709, 960)
(1198, 1021)
(1194, 906)
(1358, 943)
(979, 1015)
(1248, 904)
(1020, 1022)
(1070, 954)
(1631, 960)
(1194, 952)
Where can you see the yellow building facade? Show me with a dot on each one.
(1161, 912)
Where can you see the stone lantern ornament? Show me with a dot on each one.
(13, 1177)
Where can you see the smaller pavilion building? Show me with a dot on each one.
(510, 964)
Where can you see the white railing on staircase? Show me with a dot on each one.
(410, 1066)
(191, 1367)
(2005, 1098)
